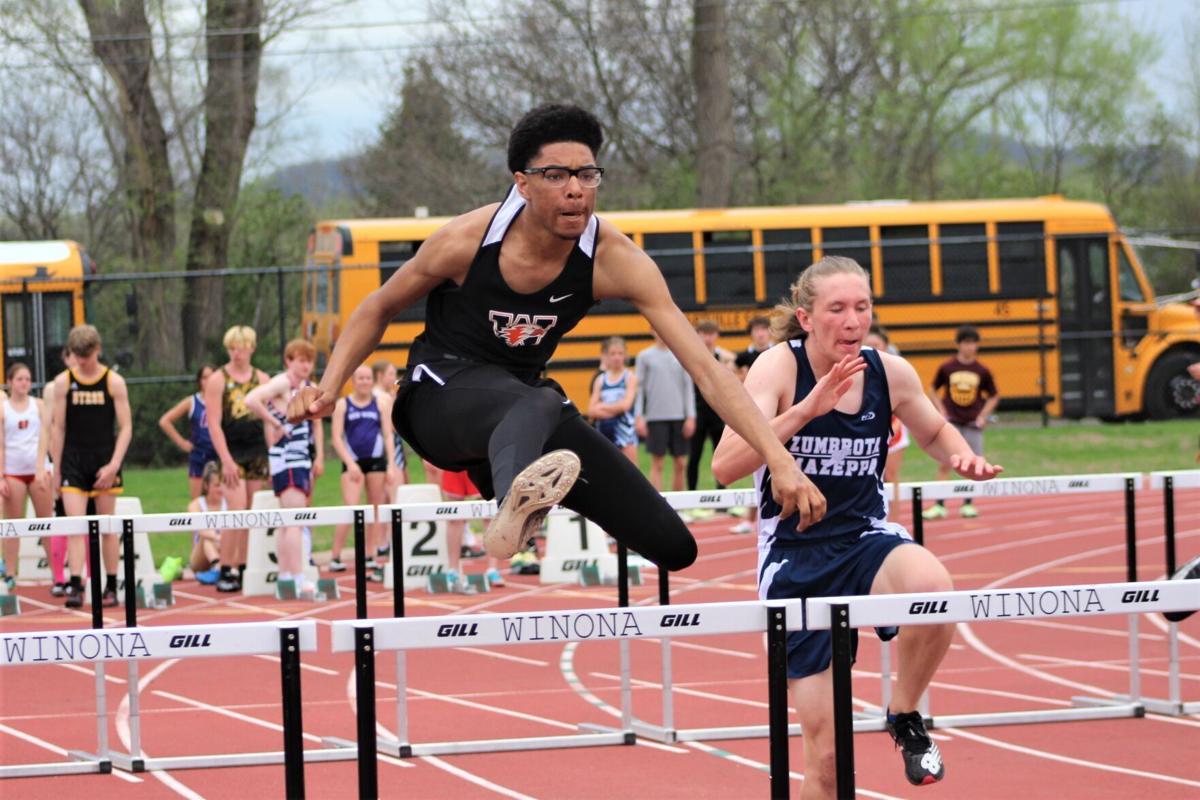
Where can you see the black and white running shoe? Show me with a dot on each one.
(1188, 572)
(922, 759)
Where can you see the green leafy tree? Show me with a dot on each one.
(420, 159)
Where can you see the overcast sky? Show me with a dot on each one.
(351, 77)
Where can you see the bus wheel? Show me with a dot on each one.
(1170, 391)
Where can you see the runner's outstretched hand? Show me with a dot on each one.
(833, 384)
(794, 492)
(974, 467)
(309, 402)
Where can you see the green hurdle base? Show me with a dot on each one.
(327, 589)
(162, 595)
(439, 583)
(590, 575)
(10, 604)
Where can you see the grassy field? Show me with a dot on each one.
(1018, 443)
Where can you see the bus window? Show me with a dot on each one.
(964, 260)
(321, 300)
(392, 256)
(335, 282)
(1022, 249)
(674, 254)
(56, 324)
(906, 268)
(785, 254)
(857, 244)
(728, 267)
(1131, 290)
(16, 330)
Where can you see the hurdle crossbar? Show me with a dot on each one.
(366, 637)
(208, 520)
(667, 733)
(133, 645)
(1124, 482)
(1167, 482)
(92, 526)
(841, 614)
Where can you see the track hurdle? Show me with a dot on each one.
(667, 732)
(366, 637)
(403, 515)
(84, 762)
(134, 645)
(1126, 483)
(841, 614)
(219, 520)
(1168, 482)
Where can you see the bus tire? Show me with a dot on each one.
(1170, 391)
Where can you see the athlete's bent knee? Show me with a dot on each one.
(681, 556)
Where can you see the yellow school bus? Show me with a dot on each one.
(1068, 318)
(41, 299)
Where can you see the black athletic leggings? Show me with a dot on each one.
(481, 418)
(708, 427)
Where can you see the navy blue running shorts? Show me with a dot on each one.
(830, 567)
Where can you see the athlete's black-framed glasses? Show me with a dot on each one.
(589, 177)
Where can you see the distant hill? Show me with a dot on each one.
(320, 182)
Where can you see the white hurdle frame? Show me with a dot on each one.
(402, 747)
(1167, 482)
(133, 645)
(367, 637)
(1033, 486)
(841, 614)
(667, 733)
(220, 520)
(81, 761)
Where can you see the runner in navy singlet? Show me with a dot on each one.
(504, 284)
(198, 445)
(363, 440)
(831, 402)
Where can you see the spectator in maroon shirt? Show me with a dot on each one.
(965, 392)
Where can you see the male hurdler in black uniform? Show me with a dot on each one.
(504, 284)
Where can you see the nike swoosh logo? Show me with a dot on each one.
(870, 415)
(559, 299)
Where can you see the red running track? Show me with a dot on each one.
(200, 706)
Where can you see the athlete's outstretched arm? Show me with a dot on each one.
(928, 428)
(771, 383)
(624, 271)
(446, 255)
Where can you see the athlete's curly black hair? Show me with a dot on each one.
(548, 124)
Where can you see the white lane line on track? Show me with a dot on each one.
(704, 649)
(1066, 626)
(458, 701)
(533, 662)
(53, 748)
(758, 765)
(964, 629)
(309, 667)
(1122, 667)
(225, 712)
(475, 779)
(123, 733)
(434, 761)
(91, 673)
(681, 690)
(1079, 762)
